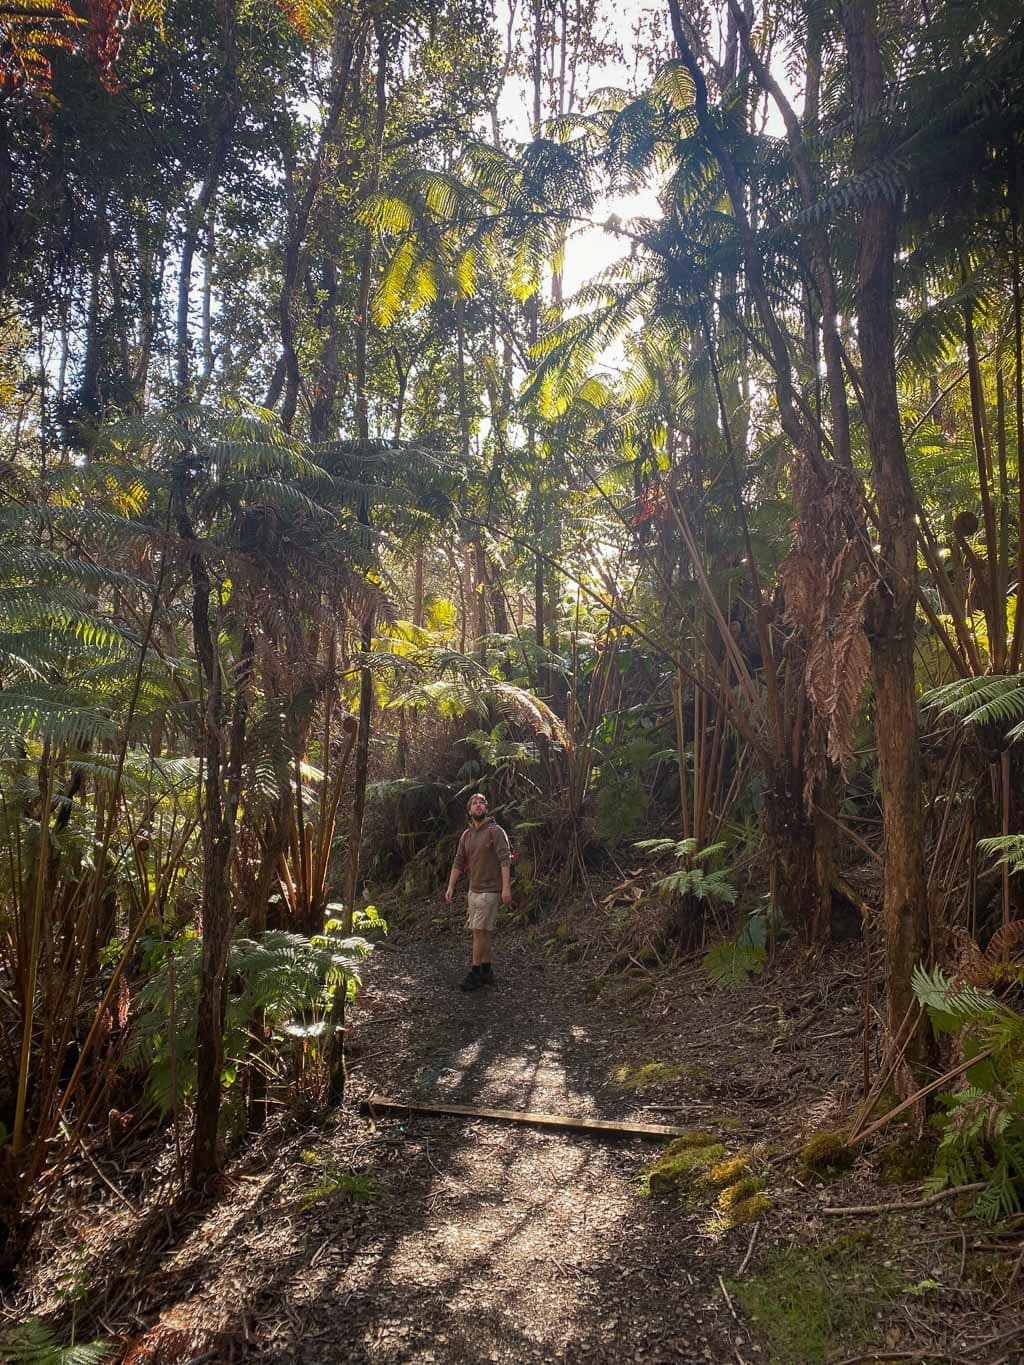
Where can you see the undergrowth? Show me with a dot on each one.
(811, 1300)
(982, 1124)
(33, 1343)
(336, 1181)
(734, 963)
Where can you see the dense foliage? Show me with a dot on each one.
(335, 482)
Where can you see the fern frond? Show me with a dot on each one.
(731, 965)
(956, 1005)
(34, 1343)
(996, 697)
(56, 715)
(1006, 849)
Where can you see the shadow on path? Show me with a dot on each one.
(484, 1241)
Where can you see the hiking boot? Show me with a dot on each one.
(486, 974)
(472, 981)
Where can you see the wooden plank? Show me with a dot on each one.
(376, 1102)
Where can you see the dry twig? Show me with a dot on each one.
(910, 1204)
(750, 1249)
(919, 1095)
(727, 1298)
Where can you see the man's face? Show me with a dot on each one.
(478, 808)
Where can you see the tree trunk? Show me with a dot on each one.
(217, 851)
(336, 1047)
(499, 606)
(300, 213)
(480, 593)
(211, 1006)
(225, 114)
(800, 860)
(9, 217)
(89, 388)
(891, 614)
(417, 600)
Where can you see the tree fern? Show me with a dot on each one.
(1005, 848)
(983, 1122)
(466, 686)
(691, 880)
(284, 979)
(34, 1343)
(994, 699)
(59, 714)
(952, 1004)
(731, 965)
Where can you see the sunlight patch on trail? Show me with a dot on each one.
(510, 1237)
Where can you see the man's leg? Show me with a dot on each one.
(474, 977)
(482, 941)
(483, 947)
(481, 917)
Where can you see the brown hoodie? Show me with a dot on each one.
(484, 850)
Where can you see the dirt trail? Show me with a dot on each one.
(418, 1239)
(435, 1239)
(498, 1242)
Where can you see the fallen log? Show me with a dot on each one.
(613, 1126)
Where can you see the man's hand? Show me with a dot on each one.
(506, 895)
(449, 895)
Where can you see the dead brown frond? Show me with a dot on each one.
(996, 964)
(838, 664)
(529, 711)
(826, 586)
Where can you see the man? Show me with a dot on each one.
(483, 851)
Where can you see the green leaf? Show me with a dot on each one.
(34, 1343)
(731, 965)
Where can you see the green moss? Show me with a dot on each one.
(812, 1302)
(696, 1137)
(645, 1075)
(728, 1171)
(908, 1158)
(747, 1210)
(826, 1152)
(562, 946)
(350, 1185)
(740, 1191)
(698, 1080)
(680, 1166)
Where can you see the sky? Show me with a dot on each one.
(590, 250)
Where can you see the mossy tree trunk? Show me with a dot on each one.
(891, 614)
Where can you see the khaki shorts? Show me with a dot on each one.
(482, 910)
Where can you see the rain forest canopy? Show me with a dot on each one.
(617, 410)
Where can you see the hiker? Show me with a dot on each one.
(484, 852)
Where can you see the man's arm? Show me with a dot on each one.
(504, 852)
(458, 867)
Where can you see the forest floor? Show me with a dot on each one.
(417, 1238)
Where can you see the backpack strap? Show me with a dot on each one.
(508, 840)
